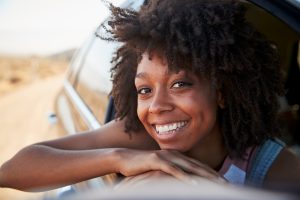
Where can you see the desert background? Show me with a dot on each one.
(37, 39)
(28, 87)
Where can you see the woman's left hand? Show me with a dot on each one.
(194, 167)
(144, 163)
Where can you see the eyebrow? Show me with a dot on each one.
(141, 75)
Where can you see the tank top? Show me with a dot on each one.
(253, 169)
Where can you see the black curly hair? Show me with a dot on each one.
(212, 39)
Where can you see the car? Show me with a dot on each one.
(84, 102)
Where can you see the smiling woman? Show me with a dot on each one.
(178, 109)
(195, 86)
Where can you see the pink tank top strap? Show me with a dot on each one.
(234, 170)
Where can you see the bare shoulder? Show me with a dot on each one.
(285, 169)
(110, 135)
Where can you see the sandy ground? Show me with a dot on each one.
(23, 121)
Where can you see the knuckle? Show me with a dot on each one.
(192, 165)
(157, 173)
(174, 151)
(154, 156)
(163, 151)
(170, 167)
(125, 173)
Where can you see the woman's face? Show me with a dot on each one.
(179, 110)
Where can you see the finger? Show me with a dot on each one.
(177, 172)
(197, 163)
(195, 169)
(131, 181)
(193, 166)
(158, 161)
(177, 165)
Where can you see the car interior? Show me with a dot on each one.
(286, 40)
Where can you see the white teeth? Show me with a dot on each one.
(174, 126)
(165, 129)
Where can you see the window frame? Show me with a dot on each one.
(282, 9)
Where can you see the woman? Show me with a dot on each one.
(195, 88)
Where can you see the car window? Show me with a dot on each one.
(93, 78)
(91, 74)
(295, 2)
(78, 59)
(283, 38)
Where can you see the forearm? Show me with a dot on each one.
(43, 167)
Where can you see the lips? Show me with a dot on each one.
(165, 129)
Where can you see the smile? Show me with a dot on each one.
(169, 128)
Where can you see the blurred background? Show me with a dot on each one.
(37, 41)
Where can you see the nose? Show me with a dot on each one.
(161, 102)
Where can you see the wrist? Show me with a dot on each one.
(116, 159)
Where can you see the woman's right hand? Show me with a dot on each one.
(134, 162)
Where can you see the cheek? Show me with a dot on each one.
(200, 105)
(141, 111)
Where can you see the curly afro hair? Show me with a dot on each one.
(212, 39)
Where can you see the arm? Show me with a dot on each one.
(65, 161)
(70, 159)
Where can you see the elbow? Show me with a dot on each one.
(5, 180)
(8, 180)
(22, 172)
(9, 177)
(2, 180)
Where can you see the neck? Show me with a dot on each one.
(211, 150)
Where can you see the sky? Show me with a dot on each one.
(43, 27)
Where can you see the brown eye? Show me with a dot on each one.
(144, 91)
(180, 84)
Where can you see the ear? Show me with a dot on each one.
(220, 99)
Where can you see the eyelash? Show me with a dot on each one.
(142, 89)
(181, 84)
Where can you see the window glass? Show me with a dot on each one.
(77, 60)
(92, 71)
(93, 78)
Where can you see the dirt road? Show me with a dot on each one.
(23, 121)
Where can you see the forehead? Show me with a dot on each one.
(157, 64)
(156, 69)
